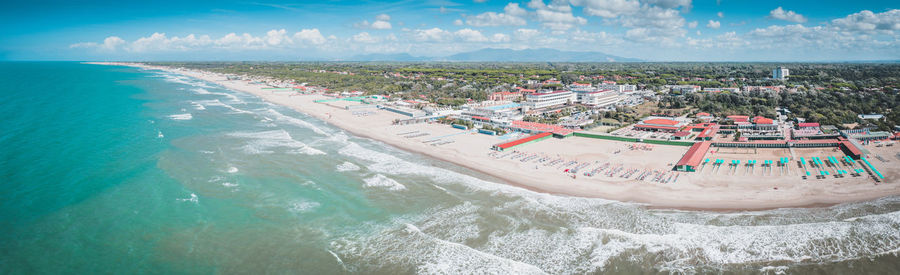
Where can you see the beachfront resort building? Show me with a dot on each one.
(865, 134)
(683, 89)
(622, 88)
(601, 98)
(506, 96)
(497, 110)
(657, 124)
(549, 99)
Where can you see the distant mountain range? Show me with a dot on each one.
(503, 55)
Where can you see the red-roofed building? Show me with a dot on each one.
(681, 135)
(764, 121)
(808, 125)
(693, 157)
(523, 141)
(535, 127)
(658, 125)
(661, 121)
(736, 118)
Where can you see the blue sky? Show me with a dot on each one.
(664, 30)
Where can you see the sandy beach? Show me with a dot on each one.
(540, 166)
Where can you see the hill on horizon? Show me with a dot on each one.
(503, 55)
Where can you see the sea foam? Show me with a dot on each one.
(263, 142)
(381, 181)
(186, 116)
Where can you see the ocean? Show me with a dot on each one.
(108, 169)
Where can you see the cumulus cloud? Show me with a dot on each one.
(382, 22)
(595, 38)
(160, 42)
(500, 37)
(432, 35)
(671, 4)
(470, 35)
(381, 25)
(720, 14)
(556, 16)
(525, 34)
(608, 8)
(870, 21)
(109, 44)
(364, 37)
(651, 26)
(512, 16)
(791, 16)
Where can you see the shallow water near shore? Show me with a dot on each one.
(115, 169)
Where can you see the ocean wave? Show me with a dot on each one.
(200, 91)
(381, 181)
(588, 234)
(409, 247)
(184, 80)
(193, 198)
(292, 120)
(263, 142)
(346, 166)
(302, 206)
(186, 116)
(198, 106)
(218, 103)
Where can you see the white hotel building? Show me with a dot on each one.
(547, 99)
(599, 98)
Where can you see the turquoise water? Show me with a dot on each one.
(109, 169)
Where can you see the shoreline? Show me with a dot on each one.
(691, 192)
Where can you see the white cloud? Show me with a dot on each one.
(160, 42)
(277, 37)
(312, 36)
(514, 10)
(382, 22)
(381, 25)
(791, 16)
(499, 37)
(512, 16)
(652, 31)
(608, 8)
(111, 43)
(692, 25)
(720, 14)
(433, 35)
(525, 34)
(470, 35)
(556, 16)
(457, 22)
(595, 38)
(364, 37)
(671, 4)
(869, 21)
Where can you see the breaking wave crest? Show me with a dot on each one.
(263, 143)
